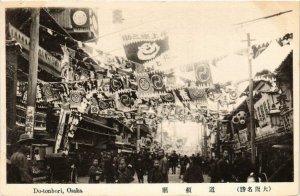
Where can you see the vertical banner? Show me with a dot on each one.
(144, 84)
(198, 95)
(60, 132)
(148, 49)
(29, 123)
(203, 74)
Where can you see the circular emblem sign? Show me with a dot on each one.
(144, 84)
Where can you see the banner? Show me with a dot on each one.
(75, 99)
(198, 95)
(157, 81)
(125, 100)
(149, 49)
(116, 84)
(48, 92)
(257, 50)
(285, 40)
(149, 83)
(169, 97)
(130, 115)
(106, 104)
(183, 95)
(29, 123)
(144, 84)
(203, 74)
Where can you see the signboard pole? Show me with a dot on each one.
(138, 136)
(205, 140)
(33, 69)
(251, 103)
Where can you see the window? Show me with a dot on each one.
(262, 111)
(268, 104)
(265, 108)
(259, 114)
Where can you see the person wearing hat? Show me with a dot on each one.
(19, 160)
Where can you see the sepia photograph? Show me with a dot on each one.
(151, 92)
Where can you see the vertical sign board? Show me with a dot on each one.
(29, 124)
(61, 126)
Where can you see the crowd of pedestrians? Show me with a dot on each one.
(158, 166)
(153, 167)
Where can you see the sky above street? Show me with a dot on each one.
(203, 31)
(199, 31)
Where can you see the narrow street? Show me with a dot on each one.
(173, 178)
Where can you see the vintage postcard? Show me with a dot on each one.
(149, 98)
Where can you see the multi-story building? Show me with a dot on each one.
(68, 27)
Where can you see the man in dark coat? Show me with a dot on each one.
(164, 166)
(140, 169)
(155, 175)
(123, 175)
(225, 168)
(193, 173)
(174, 161)
(95, 172)
(18, 162)
(213, 170)
(243, 168)
(109, 170)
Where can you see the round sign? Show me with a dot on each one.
(144, 84)
(75, 97)
(48, 91)
(115, 84)
(103, 105)
(79, 17)
(202, 73)
(157, 81)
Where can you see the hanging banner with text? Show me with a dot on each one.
(149, 49)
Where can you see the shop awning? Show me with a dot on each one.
(93, 121)
(96, 132)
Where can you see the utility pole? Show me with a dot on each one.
(251, 103)
(218, 132)
(161, 134)
(205, 139)
(138, 137)
(33, 69)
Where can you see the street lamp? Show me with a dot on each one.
(274, 116)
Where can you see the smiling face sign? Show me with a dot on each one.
(146, 48)
(148, 51)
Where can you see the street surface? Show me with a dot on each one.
(173, 178)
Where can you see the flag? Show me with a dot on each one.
(203, 74)
(48, 92)
(182, 94)
(157, 81)
(129, 115)
(169, 97)
(285, 40)
(106, 104)
(126, 100)
(149, 49)
(144, 84)
(257, 50)
(116, 84)
(198, 95)
(75, 99)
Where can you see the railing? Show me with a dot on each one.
(287, 120)
(43, 54)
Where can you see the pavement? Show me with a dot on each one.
(173, 178)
